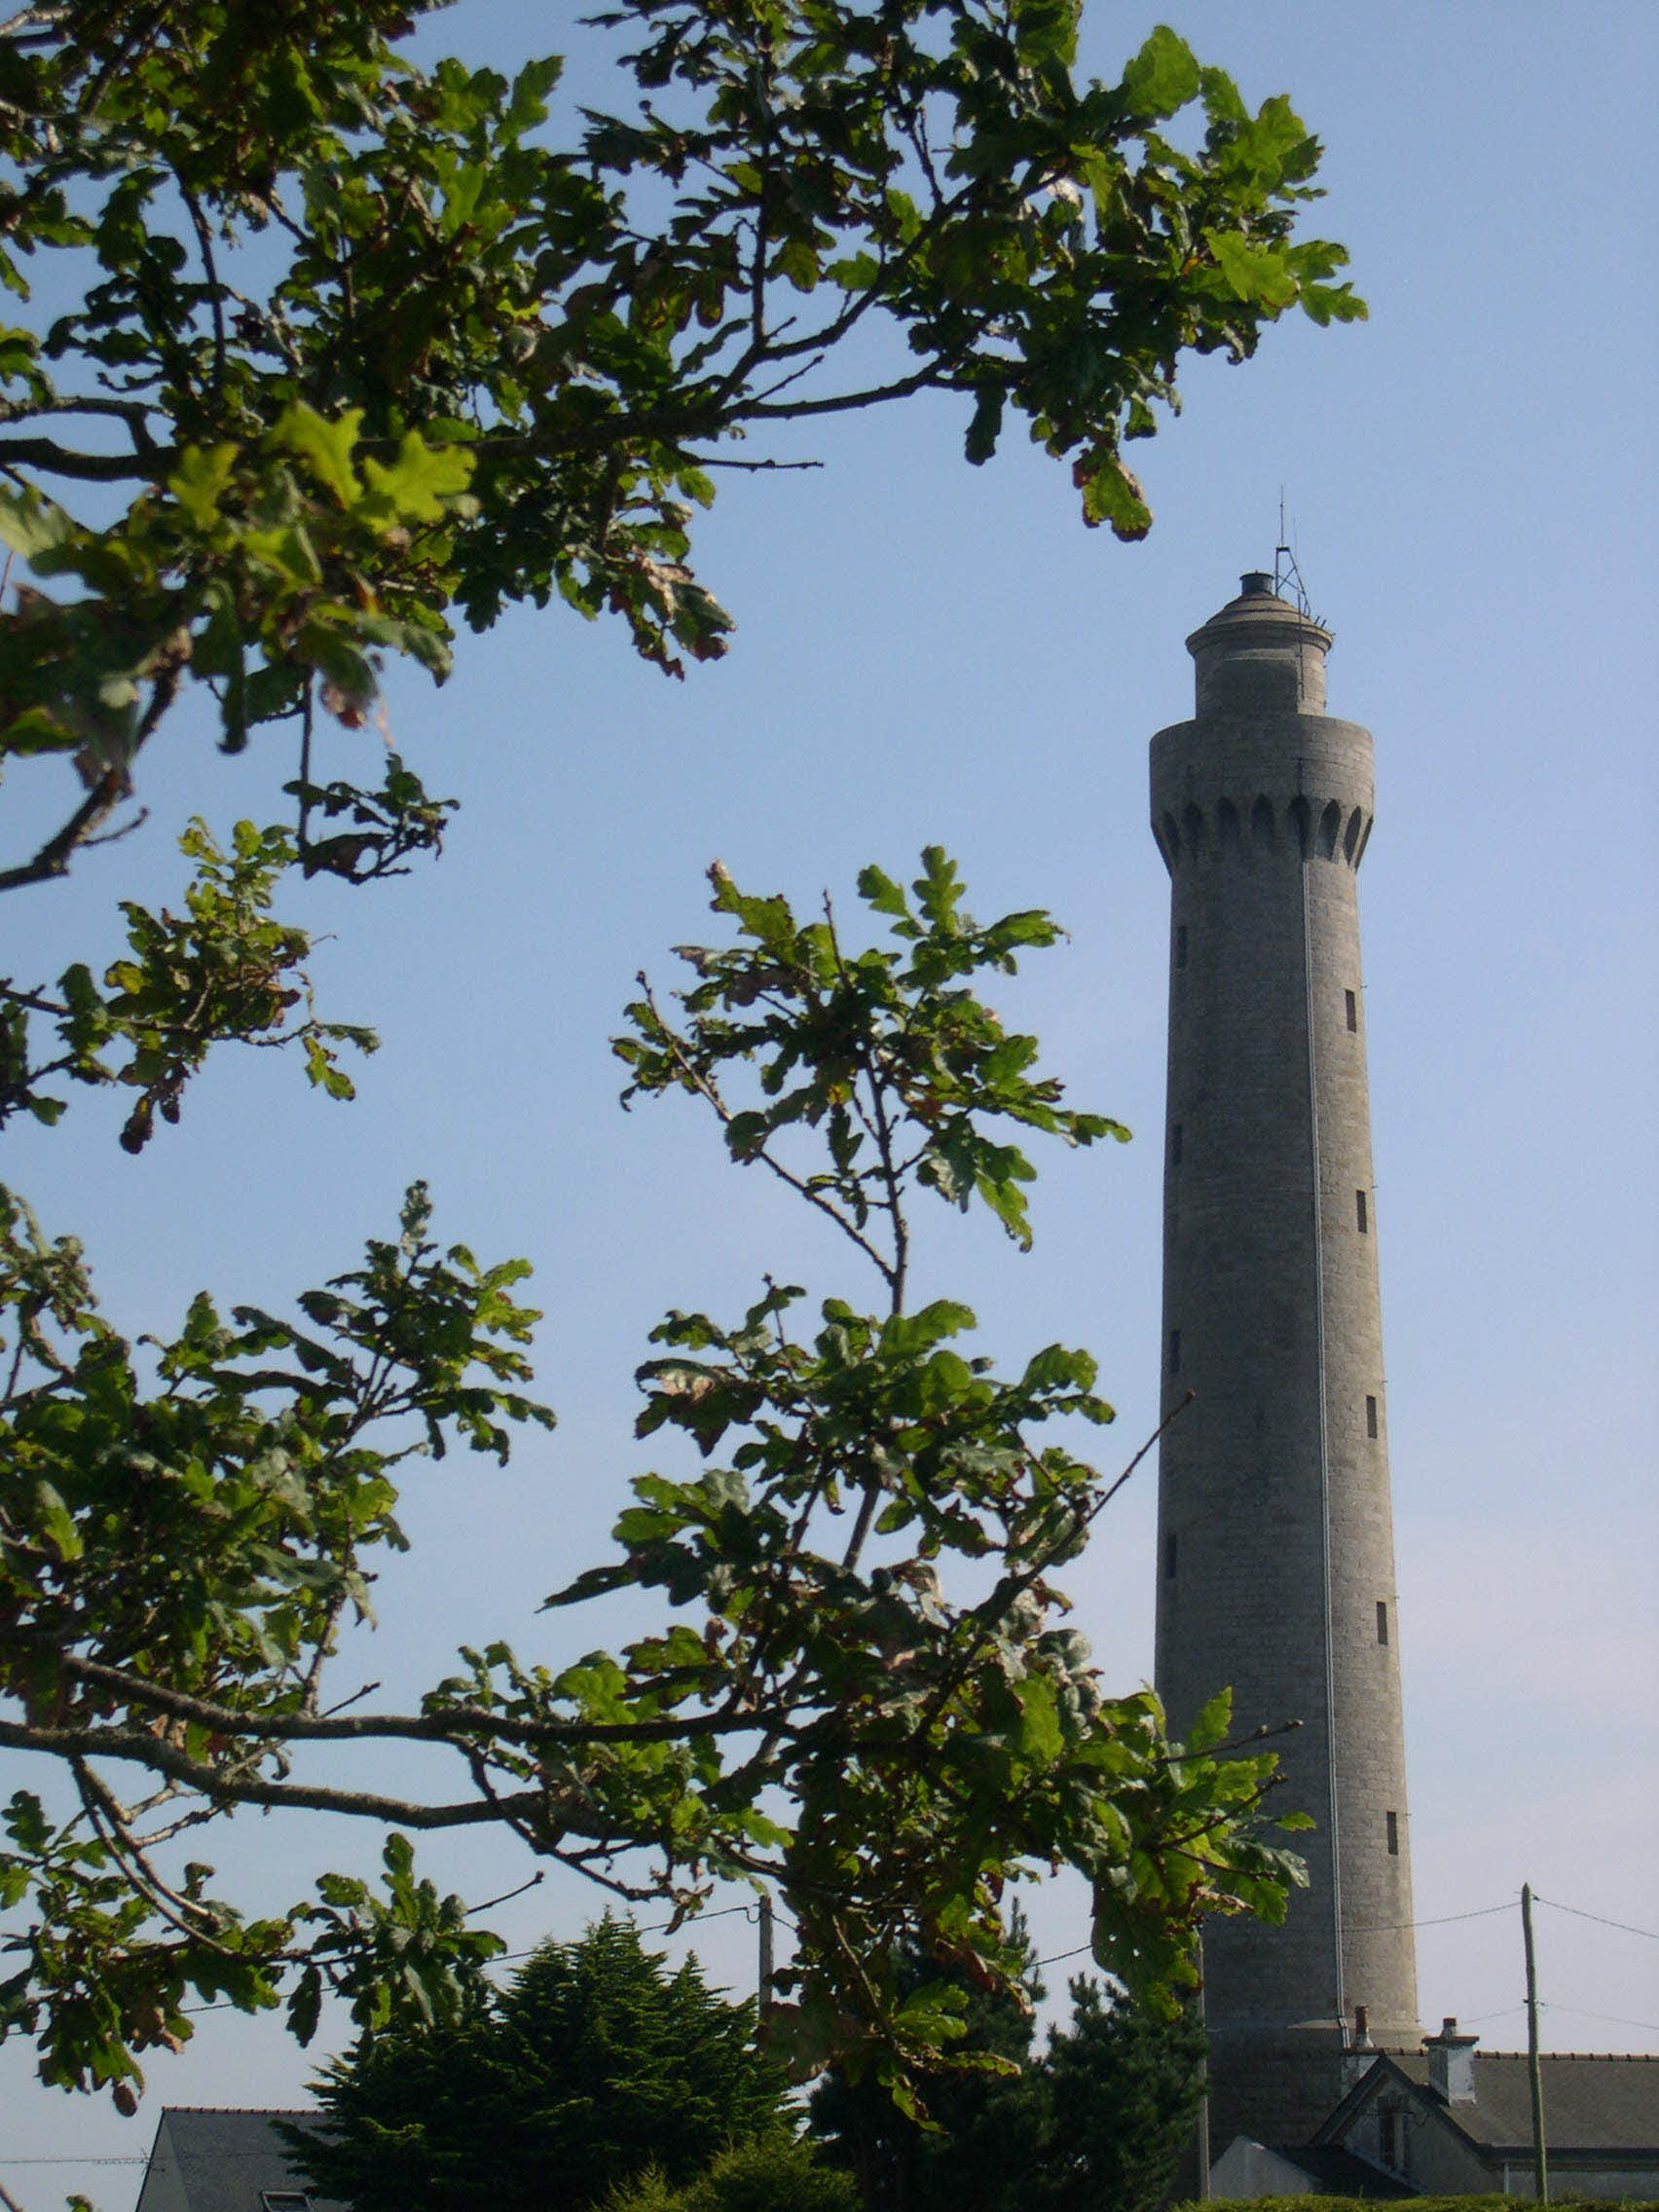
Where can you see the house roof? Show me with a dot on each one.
(1594, 2102)
(1339, 2173)
(224, 2159)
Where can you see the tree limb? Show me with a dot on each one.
(54, 857)
(456, 1725)
(92, 467)
(154, 1751)
(100, 802)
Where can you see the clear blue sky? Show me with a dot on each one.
(927, 651)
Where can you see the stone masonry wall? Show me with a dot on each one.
(1275, 1548)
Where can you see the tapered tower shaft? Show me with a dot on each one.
(1276, 1541)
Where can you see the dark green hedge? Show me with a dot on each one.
(1416, 2204)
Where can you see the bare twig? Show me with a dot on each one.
(215, 296)
(196, 1922)
(368, 1690)
(488, 1904)
(1010, 1588)
(54, 857)
(751, 467)
(100, 802)
(862, 1524)
(114, 836)
(841, 404)
(699, 1083)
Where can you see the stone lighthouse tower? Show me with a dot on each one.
(1275, 1540)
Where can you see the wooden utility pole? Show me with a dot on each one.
(1203, 2101)
(1534, 2073)
(765, 1977)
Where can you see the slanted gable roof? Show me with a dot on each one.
(1594, 2102)
(1339, 2173)
(211, 2160)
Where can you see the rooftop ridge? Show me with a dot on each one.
(257, 2111)
(1548, 2057)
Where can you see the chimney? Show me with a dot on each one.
(1452, 2063)
(1359, 2051)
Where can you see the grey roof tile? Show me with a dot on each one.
(224, 2157)
(1592, 2101)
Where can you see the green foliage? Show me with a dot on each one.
(174, 1559)
(351, 345)
(890, 1064)
(775, 2173)
(985, 2105)
(226, 970)
(1098, 2120)
(1124, 2089)
(343, 349)
(593, 2065)
(1488, 2203)
(821, 1711)
(886, 1053)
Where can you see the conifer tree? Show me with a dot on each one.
(593, 2065)
(774, 2173)
(982, 2130)
(1097, 2123)
(1123, 2088)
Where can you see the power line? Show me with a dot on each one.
(1613, 2019)
(1578, 1913)
(1056, 1957)
(652, 1928)
(508, 1957)
(142, 2158)
(69, 2158)
(1484, 1911)
(1053, 1958)
(1444, 1920)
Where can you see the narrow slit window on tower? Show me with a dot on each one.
(1393, 1820)
(1381, 1620)
(1362, 1213)
(1180, 944)
(1169, 1548)
(1352, 1004)
(1174, 1351)
(1175, 1146)
(1370, 1417)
